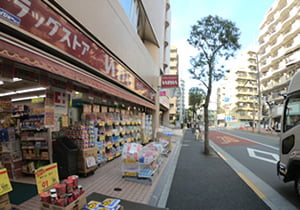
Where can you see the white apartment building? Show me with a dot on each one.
(173, 92)
(279, 53)
(237, 103)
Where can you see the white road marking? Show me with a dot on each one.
(254, 153)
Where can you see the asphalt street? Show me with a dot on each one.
(258, 154)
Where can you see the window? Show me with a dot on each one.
(138, 17)
(292, 113)
(132, 10)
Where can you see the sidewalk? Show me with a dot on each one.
(207, 182)
(108, 178)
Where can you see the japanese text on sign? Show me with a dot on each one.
(5, 185)
(46, 177)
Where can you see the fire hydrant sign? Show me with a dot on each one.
(46, 177)
(5, 185)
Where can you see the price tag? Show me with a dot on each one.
(46, 177)
(5, 185)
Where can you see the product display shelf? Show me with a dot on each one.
(34, 146)
(147, 129)
(34, 138)
(113, 131)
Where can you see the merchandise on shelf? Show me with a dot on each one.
(10, 152)
(34, 137)
(83, 135)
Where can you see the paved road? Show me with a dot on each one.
(259, 154)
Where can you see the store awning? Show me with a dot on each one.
(17, 51)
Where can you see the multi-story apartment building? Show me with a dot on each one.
(181, 102)
(279, 53)
(237, 102)
(174, 92)
(247, 93)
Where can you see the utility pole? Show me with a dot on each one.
(259, 94)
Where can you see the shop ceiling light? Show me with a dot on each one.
(22, 91)
(16, 79)
(7, 94)
(30, 90)
(27, 98)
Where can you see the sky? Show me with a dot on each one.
(247, 15)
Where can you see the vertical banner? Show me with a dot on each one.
(64, 121)
(49, 109)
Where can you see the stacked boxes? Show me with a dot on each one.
(87, 160)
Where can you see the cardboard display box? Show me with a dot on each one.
(4, 202)
(85, 160)
(78, 204)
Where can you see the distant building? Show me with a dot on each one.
(174, 93)
(279, 53)
(237, 102)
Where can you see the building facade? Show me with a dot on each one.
(66, 62)
(279, 52)
(174, 93)
(237, 102)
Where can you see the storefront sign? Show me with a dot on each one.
(169, 81)
(37, 100)
(9, 48)
(163, 92)
(46, 177)
(5, 185)
(42, 22)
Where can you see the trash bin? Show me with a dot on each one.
(65, 153)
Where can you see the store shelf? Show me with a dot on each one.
(33, 139)
(33, 129)
(33, 147)
(35, 158)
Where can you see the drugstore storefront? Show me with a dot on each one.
(55, 77)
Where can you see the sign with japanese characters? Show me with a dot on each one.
(46, 177)
(35, 17)
(5, 185)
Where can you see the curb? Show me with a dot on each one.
(272, 198)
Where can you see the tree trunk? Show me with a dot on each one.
(206, 139)
(207, 99)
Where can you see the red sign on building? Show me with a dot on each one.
(44, 23)
(169, 81)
